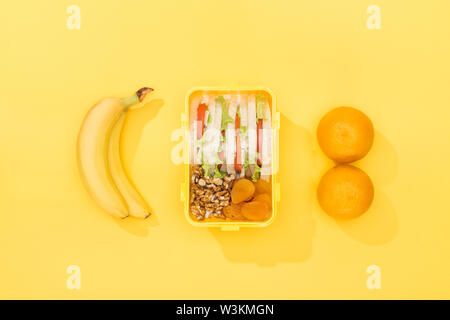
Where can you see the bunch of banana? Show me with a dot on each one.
(99, 157)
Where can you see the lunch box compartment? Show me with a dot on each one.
(185, 187)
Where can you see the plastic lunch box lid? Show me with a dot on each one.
(185, 186)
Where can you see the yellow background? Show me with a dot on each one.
(314, 55)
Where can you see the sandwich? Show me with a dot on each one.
(231, 134)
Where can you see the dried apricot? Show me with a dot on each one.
(255, 210)
(264, 197)
(243, 190)
(233, 211)
(262, 186)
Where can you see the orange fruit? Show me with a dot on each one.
(345, 192)
(345, 134)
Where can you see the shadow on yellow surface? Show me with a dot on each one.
(379, 225)
(135, 122)
(382, 172)
(289, 238)
(136, 226)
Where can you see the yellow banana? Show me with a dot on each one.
(92, 150)
(137, 207)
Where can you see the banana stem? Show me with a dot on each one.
(137, 97)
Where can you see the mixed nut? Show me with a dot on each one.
(209, 195)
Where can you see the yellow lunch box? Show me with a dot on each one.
(185, 187)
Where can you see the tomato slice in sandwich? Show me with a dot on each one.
(238, 155)
(260, 141)
(200, 120)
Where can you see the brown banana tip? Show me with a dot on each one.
(141, 93)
